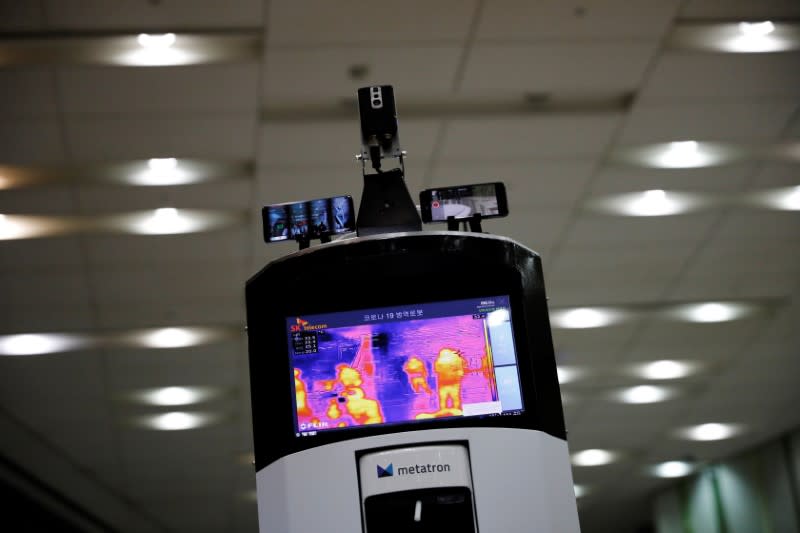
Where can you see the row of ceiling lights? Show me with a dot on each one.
(180, 337)
(168, 49)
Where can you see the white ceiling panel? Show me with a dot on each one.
(53, 200)
(142, 15)
(557, 67)
(617, 179)
(131, 369)
(211, 135)
(521, 20)
(20, 16)
(224, 88)
(695, 78)
(145, 315)
(724, 121)
(27, 92)
(591, 229)
(571, 137)
(777, 175)
(360, 23)
(701, 341)
(229, 194)
(32, 140)
(740, 9)
(297, 75)
(335, 143)
(53, 254)
(62, 288)
(761, 225)
(146, 251)
(538, 229)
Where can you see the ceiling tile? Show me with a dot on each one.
(697, 78)
(125, 136)
(150, 16)
(570, 138)
(318, 22)
(591, 229)
(297, 76)
(585, 69)
(617, 179)
(33, 140)
(48, 200)
(20, 16)
(521, 20)
(739, 9)
(29, 91)
(723, 121)
(206, 89)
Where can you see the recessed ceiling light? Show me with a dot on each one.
(679, 154)
(644, 394)
(594, 457)
(174, 395)
(664, 369)
(711, 431)
(166, 221)
(176, 420)
(754, 36)
(568, 374)
(709, 312)
(162, 171)
(40, 343)
(28, 227)
(650, 203)
(785, 198)
(172, 337)
(585, 317)
(672, 469)
(157, 41)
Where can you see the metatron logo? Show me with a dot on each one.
(385, 472)
(412, 470)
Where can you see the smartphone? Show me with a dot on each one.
(310, 219)
(463, 201)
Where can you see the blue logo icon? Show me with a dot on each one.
(385, 472)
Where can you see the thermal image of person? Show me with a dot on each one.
(449, 368)
(363, 410)
(334, 413)
(301, 395)
(417, 374)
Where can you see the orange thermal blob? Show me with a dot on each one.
(301, 396)
(333, 410)
(449, 368)
(363, 410)
(417, 374)
(349, 376)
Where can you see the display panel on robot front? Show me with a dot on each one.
(403, 365)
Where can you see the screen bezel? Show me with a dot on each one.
(287, 208)
(411, 422)
(426, 195)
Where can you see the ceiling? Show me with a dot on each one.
(543, 95)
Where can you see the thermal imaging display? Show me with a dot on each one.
(404, 364)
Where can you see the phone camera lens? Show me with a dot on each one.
(376, 103)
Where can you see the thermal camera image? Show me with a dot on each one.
(395, 371)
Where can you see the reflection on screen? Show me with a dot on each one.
(404, 364)
(463, 202)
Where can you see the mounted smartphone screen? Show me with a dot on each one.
(403, 364)
(311, 219)
(463, 202)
